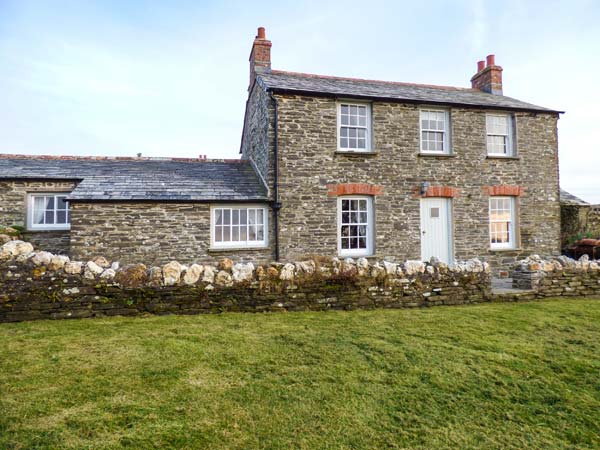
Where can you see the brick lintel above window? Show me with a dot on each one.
(505, 190)
(353, 189)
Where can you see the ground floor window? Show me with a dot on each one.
(502, 222)
(239, 226)
(48, 212)
(355, 226)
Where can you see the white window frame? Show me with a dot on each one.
(239, 244)
(447, 131)
(370, 227)
(41, 227)
(368, 127)
(510, 141)
(512, 229)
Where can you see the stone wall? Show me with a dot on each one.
(558, 277)
(573, 222)
(150, 232)
(594, 221)
(258, 133)
(309, 162)
(40, 285)
(13, 211)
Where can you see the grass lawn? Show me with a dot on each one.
(510, 376)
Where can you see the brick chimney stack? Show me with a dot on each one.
(488, 77)
(260, 56)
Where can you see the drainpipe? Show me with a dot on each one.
(276, 204)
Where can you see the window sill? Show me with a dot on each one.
(46, 230)
(437, 155)
(502, 157)
(516, 249)
(235, 249)
(356, 153)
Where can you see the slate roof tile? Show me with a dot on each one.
(353, 87)
(159, 179)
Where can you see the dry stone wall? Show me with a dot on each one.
(557, 277)
(41, 285)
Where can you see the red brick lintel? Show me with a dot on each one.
(353, 189)
(437, 191)
(503, 189)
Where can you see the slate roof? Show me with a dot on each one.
(158, 179)
(292, 82)
(570, 199)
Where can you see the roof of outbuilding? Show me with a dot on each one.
(156, 179)
(302, 83)
(570, 199)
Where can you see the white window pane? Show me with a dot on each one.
(61, 217)
(49, 218)
(218, 233)
(226, 234)
(235, 234)
(226, 216)
(260, 232)
(344, 143)
(218, 216)
(344, 109)
(49, 202)
(243, 233)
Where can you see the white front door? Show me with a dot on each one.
(436, 230)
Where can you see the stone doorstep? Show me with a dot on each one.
(502, 286)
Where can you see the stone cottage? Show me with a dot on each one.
(330, 166)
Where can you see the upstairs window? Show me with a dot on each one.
(48, 212)
(499, 129)
(435, 130)
(502, 222)
(235, 227)
(354, 123)
(355, 226)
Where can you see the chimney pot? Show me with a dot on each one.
(260, 56)
(488, 77)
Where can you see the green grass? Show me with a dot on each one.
(510, 376)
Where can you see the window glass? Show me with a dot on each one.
(502, 222)
(355, 227)
(434, 127)
(49, 211)
(498, 130)
(239, 226)
(353, 132)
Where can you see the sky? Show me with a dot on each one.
(121, 77)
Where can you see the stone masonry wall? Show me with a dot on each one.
(13, 211)
(150, 232)
(40, 285)
(558, 277)
(309, 163)
(258, 133)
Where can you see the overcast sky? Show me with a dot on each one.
(169, 78)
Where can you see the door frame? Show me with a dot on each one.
(450, 221)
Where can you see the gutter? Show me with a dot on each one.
(276, 204)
